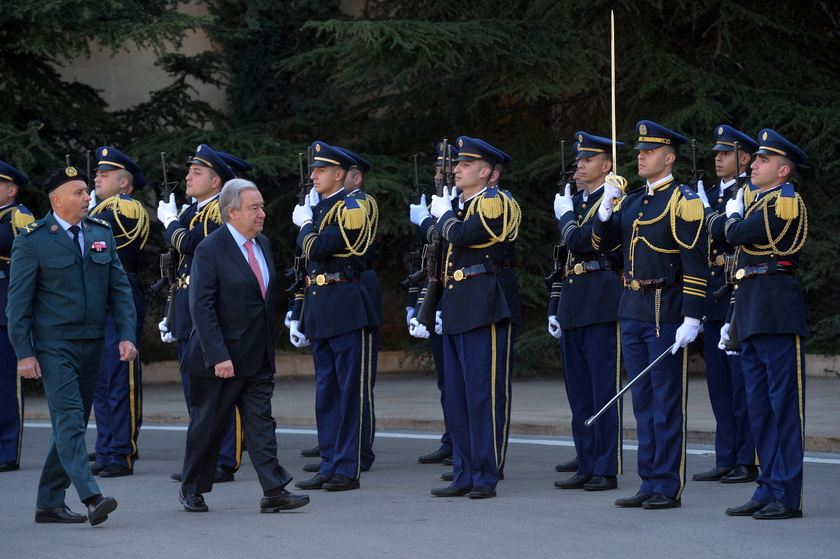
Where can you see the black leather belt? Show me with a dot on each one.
(324, 279)
(648, 285)
(592, 266)
(781, 268)
(470, 271)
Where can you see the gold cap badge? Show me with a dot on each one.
(720, 131)
(104, 151)
(71, 171)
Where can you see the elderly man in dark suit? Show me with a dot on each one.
(230, 354)
(65, 273)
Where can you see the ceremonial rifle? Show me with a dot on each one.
(416, 271)
(297, 273)
(560, 250)
(696, 174)
(169, 259)
(432, 251)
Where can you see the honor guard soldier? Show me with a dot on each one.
(768, 225)
(208, 173)
(65, 275)
(659, 229)
(586, 314)
(734, 447)
(352, 186)
(479, 313)
(12, 216)
(420, 216)
(336, 314)
(118, 402)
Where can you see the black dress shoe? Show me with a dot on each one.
(8, 467)
(451, 491)
(313, 452)
(447, 476)
(741, 474)
(481, 493)
(633, 502)
(223, 474)
(340, 483)
(752, 506)
(577, 481)
(316, 482)
(116, 470)
(570, 466)
(60, 514)
(777, 510)
(660, 501)
(283, 501)
(99, 508)
(97, 467)
(447, 461)
(436, 457)
(312, 467)
(92, 456)
(193, 502)
(715, 474)
(177, 476)
(601, 483)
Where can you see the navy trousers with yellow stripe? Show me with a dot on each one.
(478, 366)
(118, 403)
(774, 376)
(659, 401)
(342, 380)
(592, 375)
(11, 402)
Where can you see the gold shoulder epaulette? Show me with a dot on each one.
(690, 206)
(99, 221)
(20, 219)
(30, 227)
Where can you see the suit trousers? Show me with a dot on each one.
(658, 404)
(212, 400)
(69, 369)
(478, 366)
(230, 454)
(774, 375)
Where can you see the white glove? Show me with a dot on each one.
(302, 214)
(438, 324)
(314, 197)
(92, 204)
(288, 320)
(686, 333)
(419, 212)
(563, 203)
(442, 204)
(165, 336)
(185, 206)
(611, 193)
(409, 312)
(295, 335)
(736, 205)
(416, 329)
(724, 337)
(554, 327)
(167, 211)
(701, 193)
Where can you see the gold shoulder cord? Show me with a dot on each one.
(132, 209)
(369, 226)
(770, 247)
(208, 214)
(511, 218)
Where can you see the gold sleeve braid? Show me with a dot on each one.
(502, 206)
(787, 213)
(131, 209)
(364, 218)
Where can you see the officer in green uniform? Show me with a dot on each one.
(65, 274)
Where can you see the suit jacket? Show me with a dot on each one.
(57, 293)
(231, 320)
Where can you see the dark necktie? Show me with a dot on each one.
(75, 229)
